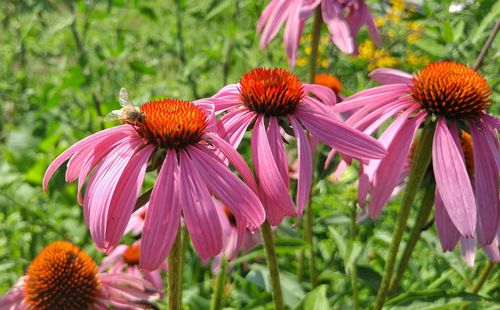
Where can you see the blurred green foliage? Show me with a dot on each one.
(63, 62)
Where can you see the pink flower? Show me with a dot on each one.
(177, 138)
(136, 222)
(344, 19)
(277, 98)
(62, 276)
(125, 259)
(456, 96)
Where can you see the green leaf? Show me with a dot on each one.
(432, 47)
(140, 67)
(434, 299)
(369, 276)
(491, 17)
(317, 299)
(447, 32)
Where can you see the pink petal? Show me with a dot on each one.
(277, 201)
(305, 167)
(266, 14)
(452, 180)
(233, 125)
(448, 234)
(468, 250)
(389, 171)
(240, 199)
(323, 93)
(235, 159)
(101, 187)
(163, 216)
(333, 16)
(198, 208)
(390, 76)
(83, 145)
(125, 195)
(339, 136)
(486, 186)
(273, 25)
(278, 149)
(292, 31)
(492, 121)
(377, 95)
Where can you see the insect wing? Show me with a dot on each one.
(114, 116)
(124, 98)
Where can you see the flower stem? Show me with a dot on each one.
(483, 276)
(316, 32)
(217, 296)
(354, 271)
(423, 216)
(419, 166)
(175, 273)
(272, 263)
(487, 45)
(308, 234)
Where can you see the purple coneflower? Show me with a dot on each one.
(344, 19)
(125, 259)
(62, 276)
(180, 134)
(274, 100)
(456, 97)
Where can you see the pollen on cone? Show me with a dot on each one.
(329, 81)
(273, 92)
(172, 123)
(62, 276)
(451, 89)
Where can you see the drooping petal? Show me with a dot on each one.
(163, 216)
(292, 32)
(276, 19)
(233, 125)
(235, 159)
(323, 93)
(125, 195)
(493, 121)
(102, 184)
(452, 180)
(239, 198)
(277, 200)
(208, 107)
(385, 93)
(278, 149)
(447, 233)
(339, 136)
(390, 76)
(486, 186)
(83, 145)
(198, 209)
(333, 16)
(389, 171)
(468, 250)
(266, 14)
(305, 167)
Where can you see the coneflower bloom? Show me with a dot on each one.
(456, 96)
(136, 222)
(344, 19)
(331, 82)
(178, 136)
(275, 99)
(62, 276)
(125, 259)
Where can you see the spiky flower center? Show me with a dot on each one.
(273, 92)
(329, 81)
(467, 148)
(132, 254)
(172, 123)
(62, 276)
(451, 90)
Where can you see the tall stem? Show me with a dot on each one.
(175, 273)
(354, 271)
(420, 163)
(423, 216)
(272, 263)
(308, 234)
(216, 303)
(487, 45)
(483, 276)
(316, 32)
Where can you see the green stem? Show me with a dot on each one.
(483, 276)
(354, 271)
(175, 273)
(419, 166)
(308, 234)
(421, 221)
(316, 32)
(217, 296)
(272, 263)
